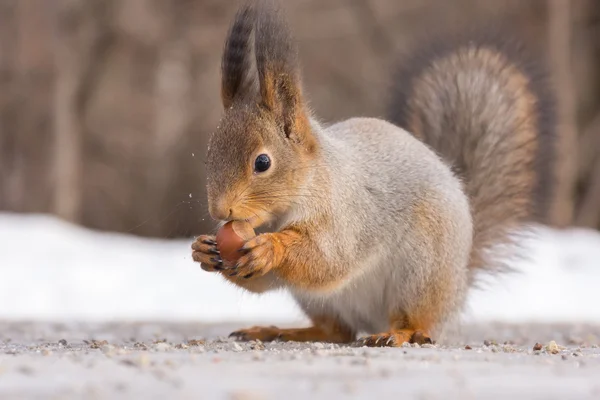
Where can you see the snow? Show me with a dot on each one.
(52, 270)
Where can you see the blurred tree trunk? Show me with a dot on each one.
(25, 99)
(559, 42)
(588, 210)
(174, 85)
(68, 130)
(10, 170)
(82, 38)
(587, 191)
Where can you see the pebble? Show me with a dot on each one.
(319, 353)
(162, 347)
(237, 347)
(318, 345)
(26, 370)
(108, 349)
(143, 360)
(96, 344)
(552, 347)
(360, 361)
(257, 346)
(140, 346)
(62, 342)
(170, 363)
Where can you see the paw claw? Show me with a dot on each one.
(380, 340)
(264, 334)
(258, 258)
(204, 251)
(420, 337)
(238, 335)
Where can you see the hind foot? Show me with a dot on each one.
(395, 338)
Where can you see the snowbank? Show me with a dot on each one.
(52, 270)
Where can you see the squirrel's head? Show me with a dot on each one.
(264, 147)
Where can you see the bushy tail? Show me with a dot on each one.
(488, 111)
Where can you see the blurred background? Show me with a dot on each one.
(106, 107)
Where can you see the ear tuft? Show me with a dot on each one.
(279, 73)
(236, 61)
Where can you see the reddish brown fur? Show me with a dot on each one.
(429, 308)
(495, 131)
(294, 257)
(326, 329)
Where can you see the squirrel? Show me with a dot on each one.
(379, 227)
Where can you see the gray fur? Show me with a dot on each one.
(380, 171)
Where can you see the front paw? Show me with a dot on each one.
(205, 252)
(261, 255)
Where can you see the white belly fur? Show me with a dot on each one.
(364, 302)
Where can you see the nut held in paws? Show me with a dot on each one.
(231, 237)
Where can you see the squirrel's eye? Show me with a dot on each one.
(262, 163)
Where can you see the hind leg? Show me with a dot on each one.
(413, 319)
(430, 288)
(324, 329)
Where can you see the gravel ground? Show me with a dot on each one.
(195, 361)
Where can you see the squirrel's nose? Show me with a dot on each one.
(220, 211)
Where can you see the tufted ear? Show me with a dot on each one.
(279, 74)
(236, 61)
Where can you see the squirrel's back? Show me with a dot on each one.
(482, 104)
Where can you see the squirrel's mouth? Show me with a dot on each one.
(258, 220)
